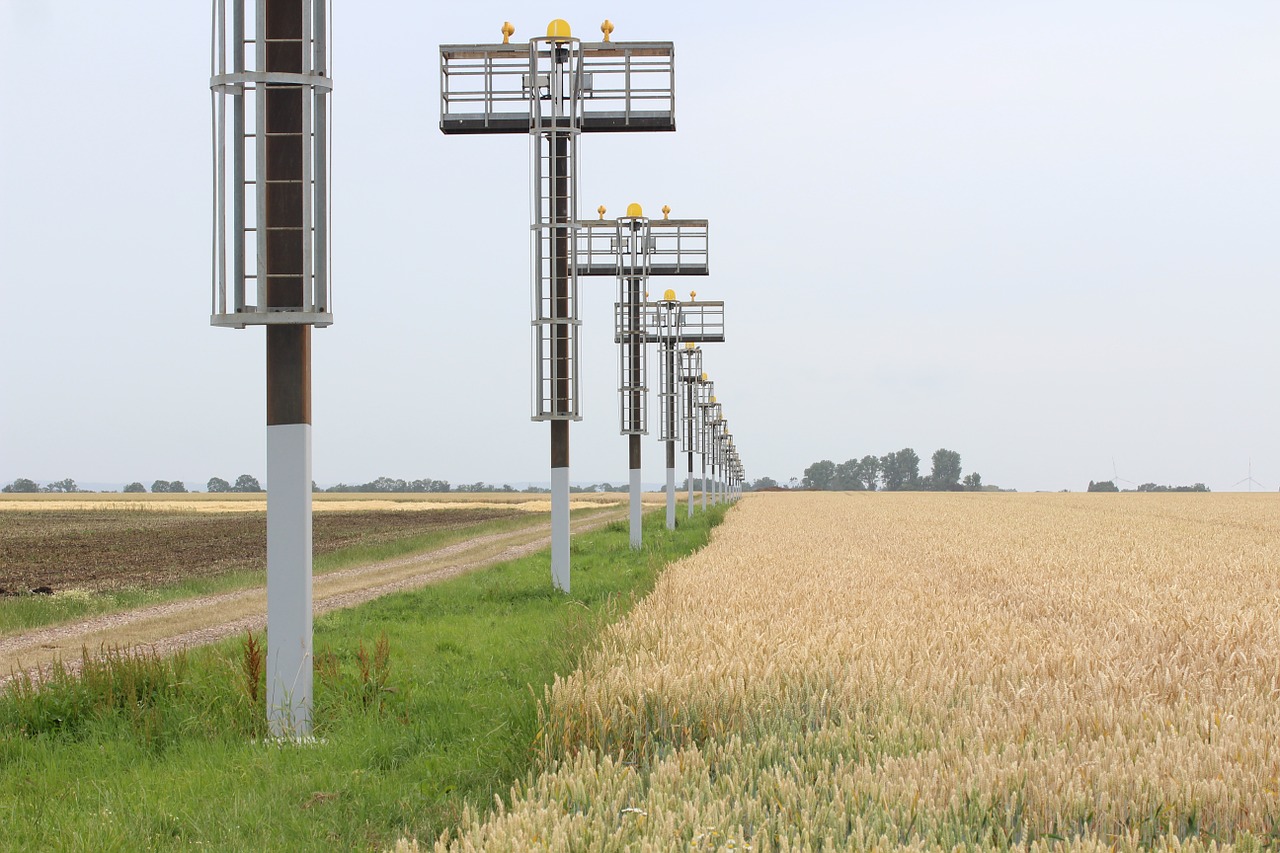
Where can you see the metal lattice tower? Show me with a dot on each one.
(278, 144)
(271, 227)
(555, 101)
(632, 249)
(633, 242)
(719, 429)
(709, 413)
(691, 376)
(555, 89)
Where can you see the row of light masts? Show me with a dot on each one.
(633, 248)
(707, 432)
(270, 82)
(555, 89)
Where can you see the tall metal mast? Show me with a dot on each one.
(273, 205)
(633, 275)
(691, 376)
(553, 90)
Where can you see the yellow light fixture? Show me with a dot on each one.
(600, 210)
(507, 32)
(558, 30)
(669, 296)
(606, 28)
(634, 210)
(666, 211)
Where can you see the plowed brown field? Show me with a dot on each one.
(99, 549)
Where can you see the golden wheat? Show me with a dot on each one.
(871, 671)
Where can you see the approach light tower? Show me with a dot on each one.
(720, 435)
(634, 248)
(709, 411)
(554, 89)
(691, 377)
(271, 227)
(690, 323)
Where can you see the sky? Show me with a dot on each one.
(1043, 235)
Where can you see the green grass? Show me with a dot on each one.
(171, 759)
(28, 612)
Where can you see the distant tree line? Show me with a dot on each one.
(244, 483)
(249, 483)
(1110, 486)
(894, 472)
(23, 485)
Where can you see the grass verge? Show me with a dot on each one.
(168, 754)
(27, 612)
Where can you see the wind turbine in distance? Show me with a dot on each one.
(1115, 477)
(1252, 482)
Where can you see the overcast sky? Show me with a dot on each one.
(1044, 235)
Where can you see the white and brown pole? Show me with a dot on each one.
(670, 378)
(668, 331)
(691, 426)
(634, 382)
(281, 239)
(276, 189)
(690, 373)
(633, 273)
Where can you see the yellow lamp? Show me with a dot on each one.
(669, 296)
(666, 211)
(558, 30)
(606, 28)
(600, 210)
(507, 32)
(634, 210)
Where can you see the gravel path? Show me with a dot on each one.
(207, 619)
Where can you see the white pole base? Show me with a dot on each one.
(560, 528)
(635, 509)
(289, 654)
(671, 498)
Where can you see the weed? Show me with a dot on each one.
(253, 669)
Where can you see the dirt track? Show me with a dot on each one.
(198, 621)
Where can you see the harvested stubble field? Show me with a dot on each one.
(874, 671)
(112, 545)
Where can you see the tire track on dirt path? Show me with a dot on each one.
(198, 621)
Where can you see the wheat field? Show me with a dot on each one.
(927, 671)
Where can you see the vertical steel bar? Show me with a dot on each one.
(217, 66)
(320, 162)
(669, 392)
(260, 155)
(307, 98)
(237, 159)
